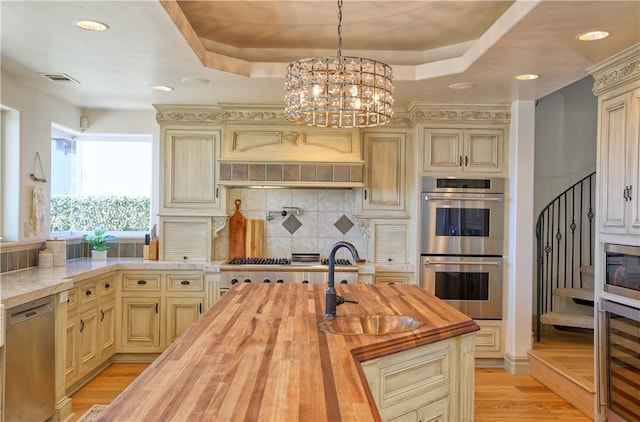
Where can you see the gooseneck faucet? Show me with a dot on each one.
(332, 298)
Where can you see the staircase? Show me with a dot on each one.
(562, 357)
(565, 242)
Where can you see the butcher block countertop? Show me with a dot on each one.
(258, 355)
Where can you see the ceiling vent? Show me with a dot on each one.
(60, 77)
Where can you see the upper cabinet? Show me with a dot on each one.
(463, 150)
(189, 171)
(617, 84)
(385, 173)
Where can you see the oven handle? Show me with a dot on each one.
(461, 198)
(427, 262)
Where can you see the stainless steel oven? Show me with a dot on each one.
(472, 285)
(462, 216)
(623, 270)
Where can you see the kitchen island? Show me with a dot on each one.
(258, 354)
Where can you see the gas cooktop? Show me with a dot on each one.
(283, 261)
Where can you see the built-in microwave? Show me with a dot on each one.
(622, 270)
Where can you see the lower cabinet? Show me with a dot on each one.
(157, 307)
(428, 383)
(393, 278)
(90, 327)
(489, 341)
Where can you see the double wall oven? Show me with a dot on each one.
(462, 238)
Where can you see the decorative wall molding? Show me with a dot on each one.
(217, 226)
(421, 113)
(617, 70)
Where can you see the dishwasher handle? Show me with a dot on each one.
(38, 309)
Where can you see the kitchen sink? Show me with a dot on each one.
(369, 324)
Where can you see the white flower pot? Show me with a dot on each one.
(98, 255)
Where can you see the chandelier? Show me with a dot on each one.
(338, 91)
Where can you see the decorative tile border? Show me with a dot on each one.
(347, 173)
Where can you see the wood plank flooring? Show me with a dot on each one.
(499, 395)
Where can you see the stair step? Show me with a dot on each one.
(577, 293)
(565, 319)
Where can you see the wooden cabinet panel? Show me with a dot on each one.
(190, 169)
(385, 173)
(185, 238)
(107, 330)
(141, 324)
(88, 340)
(143, 282)
(390, 239)
(181, 313)
(185, 283)
(391, 278)
(475, 150)
(489, 341)
(71, 352)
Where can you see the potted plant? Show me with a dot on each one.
(98, 241)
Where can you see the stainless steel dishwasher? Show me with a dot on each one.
(30, 362)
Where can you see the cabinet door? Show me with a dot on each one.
(438, 411)
(634, 165)
(385, 174)
(71, 351)
(107, 330)
(390, 241)
(189, 166)
(483, 150)
(442, 150)
(185, 238)
(141, 324)
(181, 313)
(88, 340)
(614, 127)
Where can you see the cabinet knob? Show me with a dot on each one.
(107, 286)
(185, 282)
(88, 293)
(142, 282)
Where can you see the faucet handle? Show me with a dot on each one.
(340, 300)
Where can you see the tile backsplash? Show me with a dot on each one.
(326, 217)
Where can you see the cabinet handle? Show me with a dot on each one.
(185, 282)
(365, 194)
(81, 325)
(142, 282)
(88, 293)
(156, 307)
(629, 191)
(460, 161)
(217, 192)
(466, 161)
(101, 315)
(200, 307)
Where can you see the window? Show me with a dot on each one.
(100, 181)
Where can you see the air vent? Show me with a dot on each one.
(60, 77)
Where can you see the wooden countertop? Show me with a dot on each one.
(258, 355)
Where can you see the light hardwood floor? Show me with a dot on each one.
(499, 395)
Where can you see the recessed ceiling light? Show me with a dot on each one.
(162, 88)
(462, 85)
(90, 25)
(593, 35)
(195, 80)
(527, 77)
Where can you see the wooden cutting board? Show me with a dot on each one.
(237, 233)
(254, 241)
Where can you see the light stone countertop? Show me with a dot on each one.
(22, 286)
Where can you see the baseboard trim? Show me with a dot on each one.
(517, 365)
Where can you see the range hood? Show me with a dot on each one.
(286, 156)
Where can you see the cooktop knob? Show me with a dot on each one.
(266, 280)
(305, 281)
(279, 280)
(234, 280)
(344, 282)
(247, 280)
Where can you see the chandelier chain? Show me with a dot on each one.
(339, 29)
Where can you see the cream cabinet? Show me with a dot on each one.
(157, 307)
(185, 238)
(392, 278)
(389, 240)
(430, 382)
(476, 150)
(385, 174)
(90, 328)
(189, 172)
(490, 339)
(619, 168)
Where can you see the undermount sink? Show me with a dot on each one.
(369, 324)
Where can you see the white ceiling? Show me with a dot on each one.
(242, 47)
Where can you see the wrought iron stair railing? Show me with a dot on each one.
(565, 243)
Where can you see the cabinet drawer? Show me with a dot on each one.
(106, 287)
(87, 293)
(185, 283)
(141, 282)
(72, 300)
(390, 279)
